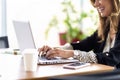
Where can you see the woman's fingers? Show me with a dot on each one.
(55, 52)
(51, 54)
(43, 50)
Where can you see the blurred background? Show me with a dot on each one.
(53, 22)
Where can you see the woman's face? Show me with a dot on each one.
(104, 7)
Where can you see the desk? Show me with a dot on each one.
(12, 68)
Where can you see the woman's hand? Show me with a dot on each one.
(43, 50)
(49, 52)
(55, 52)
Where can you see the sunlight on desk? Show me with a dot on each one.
(12, 68)
(8, 65)
(9, 51)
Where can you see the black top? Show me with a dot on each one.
(111, 58)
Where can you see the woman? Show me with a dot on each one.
(103, 46)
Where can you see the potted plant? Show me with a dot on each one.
(73, 31)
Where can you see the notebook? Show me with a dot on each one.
(25, 40)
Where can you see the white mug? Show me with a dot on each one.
(30, 58)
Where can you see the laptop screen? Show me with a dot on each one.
(24, 35)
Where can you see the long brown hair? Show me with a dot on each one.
(112, 20)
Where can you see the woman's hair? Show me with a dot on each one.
(112, 20)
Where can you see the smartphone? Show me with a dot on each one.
(75, 65)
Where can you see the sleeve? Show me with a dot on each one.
(83, 56)
(87, 44)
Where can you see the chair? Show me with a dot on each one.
(4, 42)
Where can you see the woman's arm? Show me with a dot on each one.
(87, 44)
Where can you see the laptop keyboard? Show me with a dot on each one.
(57, 60)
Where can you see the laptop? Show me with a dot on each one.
(24, 35)
(25, 40)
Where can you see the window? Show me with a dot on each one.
(3, 24)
